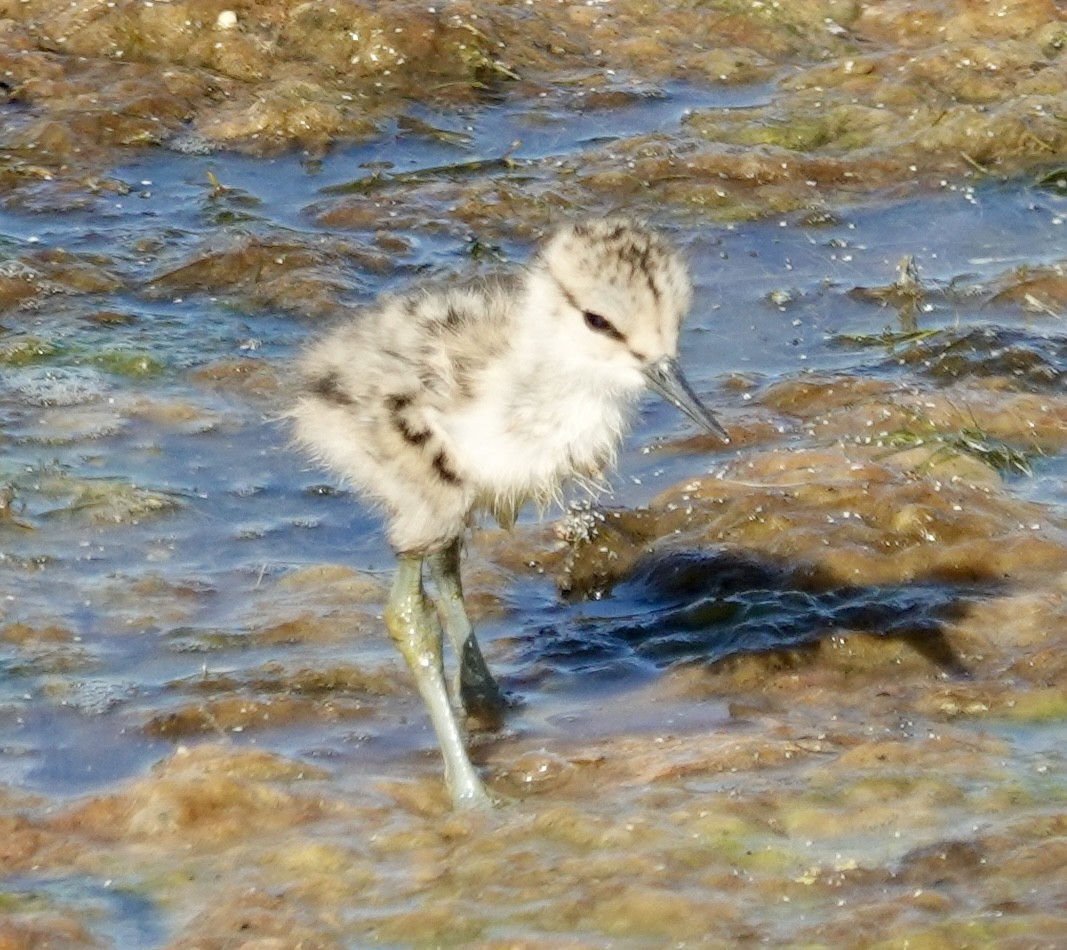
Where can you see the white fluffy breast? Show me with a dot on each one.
(525, 436)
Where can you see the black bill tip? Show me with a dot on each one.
(665, 376)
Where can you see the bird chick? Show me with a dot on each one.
(445, 402)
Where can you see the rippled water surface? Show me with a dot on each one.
(153, 509)
(772, 298)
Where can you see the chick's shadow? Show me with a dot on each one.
(708, 606)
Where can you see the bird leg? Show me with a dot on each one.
(415, 630)
(479, 692)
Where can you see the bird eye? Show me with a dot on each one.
(600, 324)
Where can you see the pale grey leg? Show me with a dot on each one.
(478, 691)
(415, 630)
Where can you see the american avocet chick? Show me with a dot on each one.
(444, 402)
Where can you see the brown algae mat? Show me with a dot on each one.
(866, 95)
(846, 728)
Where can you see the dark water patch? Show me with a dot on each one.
(708, 606)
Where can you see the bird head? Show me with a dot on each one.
(617, 293)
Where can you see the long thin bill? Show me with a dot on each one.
(665, 376)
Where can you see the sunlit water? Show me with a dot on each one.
(770, 299)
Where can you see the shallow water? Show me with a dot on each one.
(151, 594)
(247, 506)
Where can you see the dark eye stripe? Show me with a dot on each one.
(600, 324)
(593, 320)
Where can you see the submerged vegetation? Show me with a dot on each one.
(867, 96)
(971, 440)
(806, 690)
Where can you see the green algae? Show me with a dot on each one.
(55, 493)
(30, 351)
(111, 501)
(128, 364)
(969, 441)
(13, 902)
(36, 351)
(889, 339)
(1037, 706)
